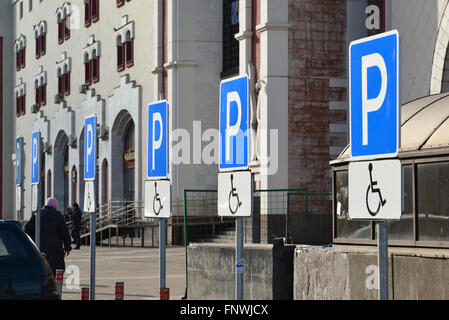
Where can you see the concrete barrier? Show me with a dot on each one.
(268, 271)
(350, 273)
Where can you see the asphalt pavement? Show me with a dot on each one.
(137, 267)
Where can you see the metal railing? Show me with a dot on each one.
(114, 212)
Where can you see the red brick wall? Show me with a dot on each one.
(317, 46)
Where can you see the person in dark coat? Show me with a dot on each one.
(68, 214)
(55, 237)
(77, 218)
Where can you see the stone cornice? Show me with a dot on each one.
(243, 35)
(180, 64)
(268, 26)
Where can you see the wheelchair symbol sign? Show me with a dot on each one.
(157, 204)
(375, 190)
(157, 199)
(234, 194)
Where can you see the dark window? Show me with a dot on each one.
(38, 96)
(43, 95)
(87, 75)
(17, 60)
(87, 13)
(66, 83)
(403, 229)
(61, 30)
(95, 10)
(60, 86)
(20, 106)
(66, 24)
(91, 12)
(230, 44)
(95, 69)
(38, 48)
(22, 61)
(433, 201)
(129, 46)
(43, 44)
(121, 57)
(23, 104)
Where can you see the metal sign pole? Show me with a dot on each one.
(162, 251)
(382, 242)
(239, 258)
(92, 254)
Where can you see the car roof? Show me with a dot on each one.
(17, 223)
(10, 224)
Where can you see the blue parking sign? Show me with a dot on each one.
(35, 156)
(234, 124)
(90, 141)
(374, 96)
(158, 140)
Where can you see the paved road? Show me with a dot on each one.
(138, 268)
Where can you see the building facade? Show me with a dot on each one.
(76, 58)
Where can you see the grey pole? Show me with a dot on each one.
(92, 254)
(382, 259)
(37, 232)
(239, 258)
(162, 256)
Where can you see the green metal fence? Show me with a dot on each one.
(275, 212)
(274, 205)
(290, 213)
(315, 206)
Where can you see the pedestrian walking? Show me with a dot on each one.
(77, 218)
(55, 238)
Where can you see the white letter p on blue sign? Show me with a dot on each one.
(158, 140)
(90, 130)
(234, 124)
(374, 96)
(35, 154)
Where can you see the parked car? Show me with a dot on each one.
(24, 272)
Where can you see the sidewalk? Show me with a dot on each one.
(137, 267)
